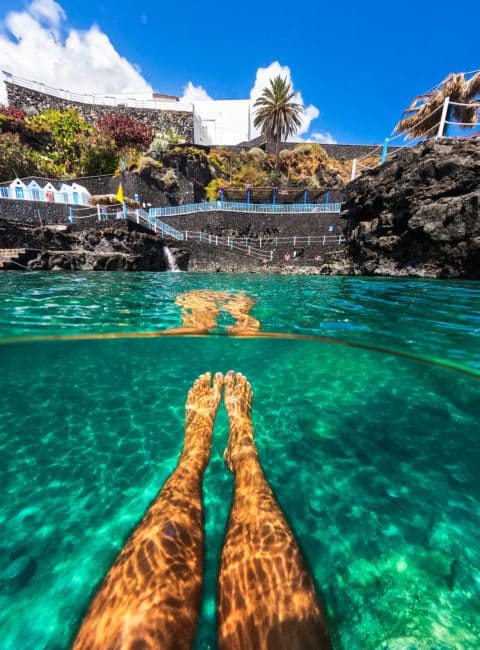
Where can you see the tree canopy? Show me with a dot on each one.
(277, 114)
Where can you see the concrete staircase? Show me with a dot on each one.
(10, 258)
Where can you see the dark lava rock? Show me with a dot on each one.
(96, 249)
(418, 214)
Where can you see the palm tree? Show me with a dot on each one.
(422, 117)
(277, 115)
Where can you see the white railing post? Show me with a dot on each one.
(443, 118)
(99, 212)
(354, 170)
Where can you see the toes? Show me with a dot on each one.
(230, 380)
(205, 380)
(201, 384)
(218, 382)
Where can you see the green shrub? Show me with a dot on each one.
(250, 175)
(256, 156)
(16, 160)
(98, 155)
(212, 190)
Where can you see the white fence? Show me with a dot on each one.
(97, 100)
(438, 131)
(258, 208)
(262, 248)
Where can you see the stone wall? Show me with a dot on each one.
(269, 228)
(337, 151)
(34, 213)
(149, 188)
(32, 101)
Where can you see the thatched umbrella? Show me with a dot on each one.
(422, 117)
(111, 199)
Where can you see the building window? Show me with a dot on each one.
(19, 193)
(35, 195)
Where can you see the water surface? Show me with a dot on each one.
(373, 457)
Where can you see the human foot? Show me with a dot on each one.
(200, 410)
(238, 402)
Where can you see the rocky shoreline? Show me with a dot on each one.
(107, 249)
(418, 214)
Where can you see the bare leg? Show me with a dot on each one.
(151, 595)
(201, 309)
(239, 307)
(267, 598)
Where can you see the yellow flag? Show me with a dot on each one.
(119, 194)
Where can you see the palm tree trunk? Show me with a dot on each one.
(277, 151)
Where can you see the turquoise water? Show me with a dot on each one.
(373, 456)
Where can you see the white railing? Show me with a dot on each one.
(93, 99)
(257, 208)
(144, 218)
(22, 194)
(439, 130)
(263, 248)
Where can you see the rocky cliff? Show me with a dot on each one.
(99, 249)
(418, 214)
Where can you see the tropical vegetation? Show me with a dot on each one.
(62, 144)
(277, 115)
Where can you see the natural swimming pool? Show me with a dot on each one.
(373, 456)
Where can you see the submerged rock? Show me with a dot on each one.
(16, 573)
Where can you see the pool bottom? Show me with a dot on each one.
(373, 459)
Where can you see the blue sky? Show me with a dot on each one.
(359, 64)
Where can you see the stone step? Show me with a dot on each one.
(10, 253)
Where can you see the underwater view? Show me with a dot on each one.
(366, 410)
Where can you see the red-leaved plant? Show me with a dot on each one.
(126, 131)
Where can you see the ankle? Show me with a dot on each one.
(243, 455)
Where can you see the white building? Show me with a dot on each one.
(222, 121)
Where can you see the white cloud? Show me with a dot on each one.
(49, 11)
(324, 138)
(38, 44)
(264, 75)
(192, 94)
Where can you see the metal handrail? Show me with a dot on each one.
(93, 99)
(256, 208)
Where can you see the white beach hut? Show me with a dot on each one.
(80, 194)
(66, 192)
(18, 189)
(35, 192)
(49, 192)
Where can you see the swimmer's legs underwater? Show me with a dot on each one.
(201, 309)
(267, 597)
(151, 595)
